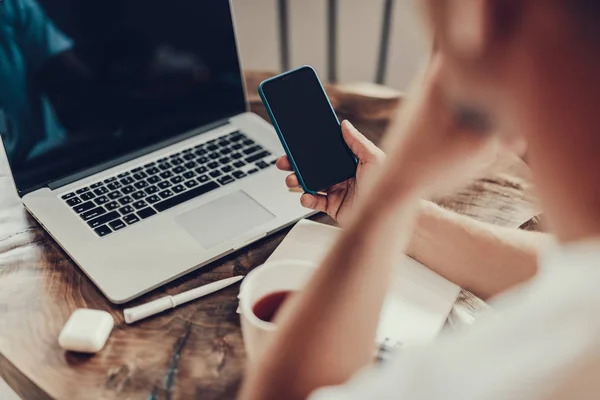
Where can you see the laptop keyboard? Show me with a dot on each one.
(120, 201)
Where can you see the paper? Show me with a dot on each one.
(417, 304)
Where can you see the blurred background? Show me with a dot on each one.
(379, 41)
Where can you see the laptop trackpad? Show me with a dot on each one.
(224, 218)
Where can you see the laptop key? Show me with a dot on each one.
(202, 160)
(178, 189)
(93, 213)
(186, 196)
(226, 151)
(83, 190)
(152, 171)
(189, 156)
(141, 184)
(84, 207)
(146, 213)
(238, 174)
(114, 195)
(226, 179)
(138, 195)
(138, 169)
(114, 186)
(262, 165)
(212, 147)
(189, 174)
(103, 231)
(166, 194)
(239, 164)
(126, 210)
(153, 199)
(151, 190)
(203, 178)
(227, 168)
(117, 224)
(131, 219)
(177, 179)
(201, 170)
(213, 165)
(109, 180)
(150, 164)
(113, 205)
(201, 152)
(166, 174)
(123, 175)
(252, 171)
(128, 180)
(224, 160)
(74, 201)
(103, 219)
(236, 156)
(140, 204)
(175, 155)
(165, 166)
(214, 156)
(125, 200)
(236, 146)
(128, 189)
(177, 161)
(87, 196)
(164, 184)
(190, 165)
(96, 185)
(101, 200)
(100, 191)
(191, 184)
(216, 173)
(140, 175)
(179, 169)
(257, 157)
(153, 179)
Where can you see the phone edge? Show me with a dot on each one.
(261, 93)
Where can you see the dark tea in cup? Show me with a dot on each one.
(267, 306)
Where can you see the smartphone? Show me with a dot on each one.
(308, 129)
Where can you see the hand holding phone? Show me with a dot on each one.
(308, 129)
(338, 200)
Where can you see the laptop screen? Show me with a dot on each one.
(86, 82)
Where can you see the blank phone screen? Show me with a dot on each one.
(310, 129)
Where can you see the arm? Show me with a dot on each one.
(482, 258)
(326, 333)
(331, 325)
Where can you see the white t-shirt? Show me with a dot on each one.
(540, 342)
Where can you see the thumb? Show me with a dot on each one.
(362, 147)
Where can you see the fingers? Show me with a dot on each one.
(292, 181)
(283, 163)
(362, 147)
(314, 202)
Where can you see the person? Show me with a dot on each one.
(28, 39)
(517, 66)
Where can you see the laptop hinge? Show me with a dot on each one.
(130, 156)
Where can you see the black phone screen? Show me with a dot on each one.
(310, 129)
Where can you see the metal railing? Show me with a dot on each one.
(332, 38)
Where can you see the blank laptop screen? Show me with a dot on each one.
(86, 82)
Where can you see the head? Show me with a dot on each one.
(533, 66)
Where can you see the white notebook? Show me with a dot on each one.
(417, 304)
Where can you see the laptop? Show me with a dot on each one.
(130, 139)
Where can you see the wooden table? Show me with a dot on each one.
(195, 351)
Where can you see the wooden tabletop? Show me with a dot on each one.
(195, 351)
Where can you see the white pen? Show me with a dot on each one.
(164, 303)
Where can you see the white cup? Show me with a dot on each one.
(271, 277)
